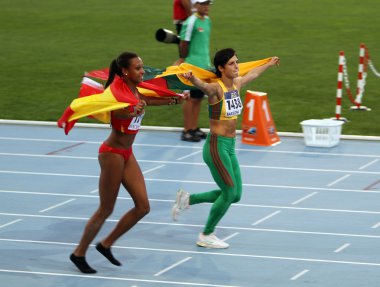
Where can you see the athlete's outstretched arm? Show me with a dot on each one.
(256, 72)
(209, 89)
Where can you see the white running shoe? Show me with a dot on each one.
(211, 241)
(181, 203)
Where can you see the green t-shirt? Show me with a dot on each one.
(196, 31)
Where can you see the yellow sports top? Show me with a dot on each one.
(229, 106)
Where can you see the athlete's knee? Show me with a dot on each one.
(237, 198)
(230, 194)
(143, 209)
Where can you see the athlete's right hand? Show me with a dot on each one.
(139, 108)
(187, 75)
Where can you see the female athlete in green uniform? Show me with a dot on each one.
(219, 149)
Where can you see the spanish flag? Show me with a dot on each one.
(97, 103)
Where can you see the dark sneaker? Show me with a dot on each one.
(200, 133)
(190, 136)
(81, 263)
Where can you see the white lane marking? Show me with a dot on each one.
(94, 191)
(172, 266)
(295, 277)
(304, 198)
(230, 236)
(204, 252)
(266, 217)
(203, 164)
(111, 278)
(368, 164)
(10, 223)
(344, 246)
(376, 225)
(206, 182)
(47, 173)
(189, 155)
(57, 205)
(339, 180)
(170, 201)
(154, 168)
(201, 147)
(199, 226)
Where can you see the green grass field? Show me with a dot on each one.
(46, 46)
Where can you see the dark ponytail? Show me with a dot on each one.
(123, 61)
(112, 73)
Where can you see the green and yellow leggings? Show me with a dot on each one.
(219, 154)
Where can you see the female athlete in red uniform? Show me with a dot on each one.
(117, 163)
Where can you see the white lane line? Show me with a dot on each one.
(376, 225)
(154, 168)
(200, 226)
(189, 155)
(266, 217)
(304, 198)
(368, 164)
(48, 173)
(170, 201)
(338, 180)
(204, 253)
(111, 278)
(57, 205)
(270, 186)
(172, 266)
(241, 166)
(94, 191)
(344, 246)
(295, 277)
(230, 236)
(199, 147)
(10, 223)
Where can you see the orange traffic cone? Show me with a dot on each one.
(257, 125)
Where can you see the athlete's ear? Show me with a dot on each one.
(220, 68)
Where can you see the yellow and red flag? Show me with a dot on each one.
(97, 103)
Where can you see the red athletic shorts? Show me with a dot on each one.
(126, 153)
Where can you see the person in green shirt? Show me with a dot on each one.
(194, 49)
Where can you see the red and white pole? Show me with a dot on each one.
(360, 84)
(362, 74)
(338, 107)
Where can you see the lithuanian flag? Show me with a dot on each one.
(171, 77)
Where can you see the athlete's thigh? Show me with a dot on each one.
(133, 181)
(237, 176)
(111, 174)
(220, 165)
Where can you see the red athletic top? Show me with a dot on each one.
(179, 12)
(122, 93)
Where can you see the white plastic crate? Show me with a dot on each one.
(322, 133)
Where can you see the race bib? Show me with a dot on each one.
(136, 123)
(234, 105)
